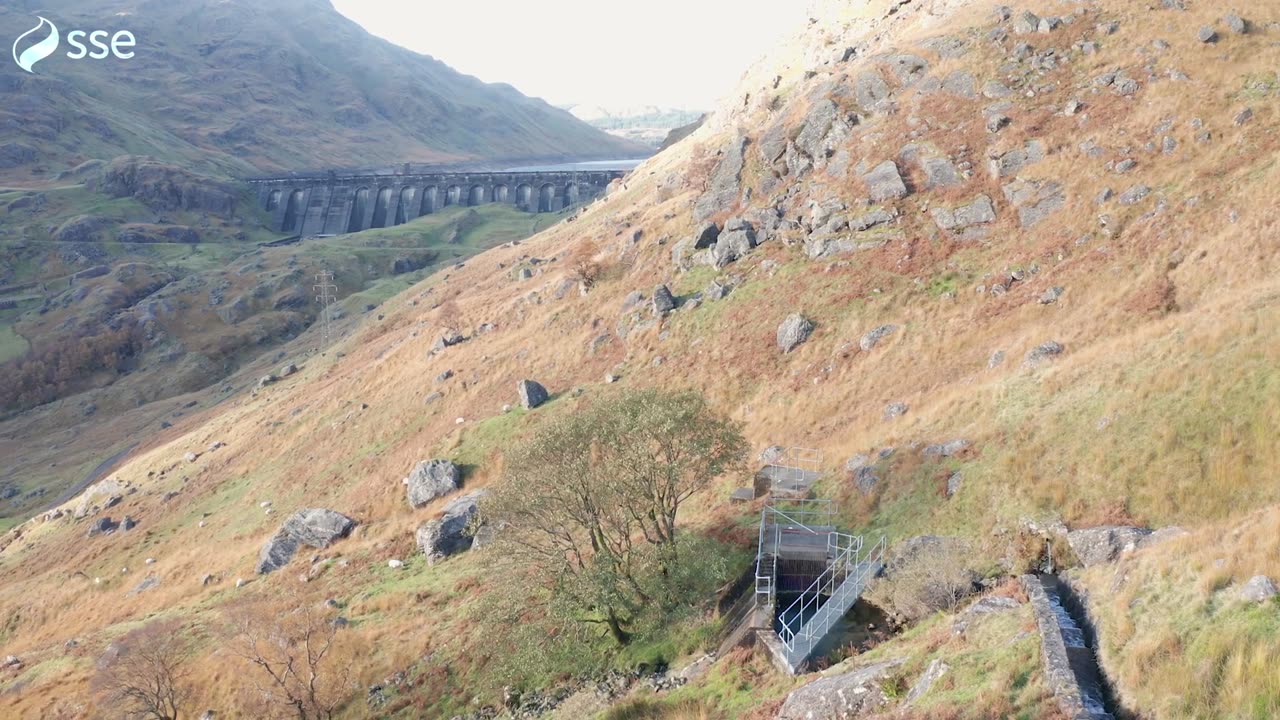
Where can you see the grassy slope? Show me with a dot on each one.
(1187, 394)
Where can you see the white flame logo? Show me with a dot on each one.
(40, 50)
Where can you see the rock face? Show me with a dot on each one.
(978, 212)
(663, 301)
(840, 697)
(314, 527)
(431, 479)
(532, 394)
(931, 675)
(1043, 352)
(726, 181)
(1100, 545)
(448, 535)
(793, 332)
(167, 187)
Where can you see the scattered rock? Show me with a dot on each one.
(1258, 589)
(448, 535)
(431, 479)
(937, 668)
(288, 370)
(1035, 200)
(1051, 295)
(1236, 24)
(725, 184)
(873, 338)
(394, 564)
(953, 484)
(1243, 116)
(794, 331)
(895, 410)
(532, 394)
(1026, 23)
(313, 527)
(1207, 35)
(980, 211)
(855, 694)
(663, 301)
(885, 183)
(947, 449)
(1134, 195)
(1043, 352)
(1100, 545)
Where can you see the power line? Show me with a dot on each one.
(326, 291)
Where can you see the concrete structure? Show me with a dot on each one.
(333, 204)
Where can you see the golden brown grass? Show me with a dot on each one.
(1189, 393)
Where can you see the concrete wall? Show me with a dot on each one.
(331, 205)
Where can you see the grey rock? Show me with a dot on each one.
(1043, 352)
(1048, 25)
(733, 245)
(818, 122)
(871, 90)
(907, 68)
(978, 212)
(994, 90)
(932, 674)
(431, 479)
(1035, 200)
(1051, 295)
(1014, 161)
(947, 449)
(1101, 545)
(102, 526)
(663, 301)
(1243, 117)
(448, 535)
(868, 341)
(793, 332)
(147, 583)
(706, 236)
(1073, 107)
(940, 173)
(1026, 23)
(997, 122)
(1236, 24)
(885, 183)
(895, 410)
(996, 360)
(1134, 195)
(444, 376)
(1258, 589)
(865, 479)
(953, 483)
(288, 370)
(313, 527)
(846, 696)
(725, 184)
(532, 394)
(1207, 34)
(962, 84)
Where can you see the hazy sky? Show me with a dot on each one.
(615, 53)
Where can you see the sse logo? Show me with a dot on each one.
(119, 45)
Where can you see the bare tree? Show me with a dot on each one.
(147, 676)
(301, 655)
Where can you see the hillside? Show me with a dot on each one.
(1035, 254)
(241, 88)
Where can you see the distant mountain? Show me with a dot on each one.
(239, 86)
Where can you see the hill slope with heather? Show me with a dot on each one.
(1012, 272)
(240, 88)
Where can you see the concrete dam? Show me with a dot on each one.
(333, 204)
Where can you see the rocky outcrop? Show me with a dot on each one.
(1259, 588)
(847, 696)
(431, 479)
(885, 183)
(314, 527)
(166, 187)
(726, 182)
(1101, 545)
(868, 341)
(449, 534)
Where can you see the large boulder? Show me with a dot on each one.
(314, 527)
(449, 534)
(846, 696)
(167, 187)
(532, 394)
(431, 479)
(793, 332)
(1101, 545)
(884, 182)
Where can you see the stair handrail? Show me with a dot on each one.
(811, 596)
(811, 631)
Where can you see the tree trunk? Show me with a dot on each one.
(615, 628)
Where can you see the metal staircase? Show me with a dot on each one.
(803, 532)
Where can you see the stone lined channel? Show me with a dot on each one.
(1067, 645)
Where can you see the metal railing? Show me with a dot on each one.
(796, 465)
(830, 596)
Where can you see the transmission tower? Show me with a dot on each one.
(325, 292)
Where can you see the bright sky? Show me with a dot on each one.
(614, 53)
